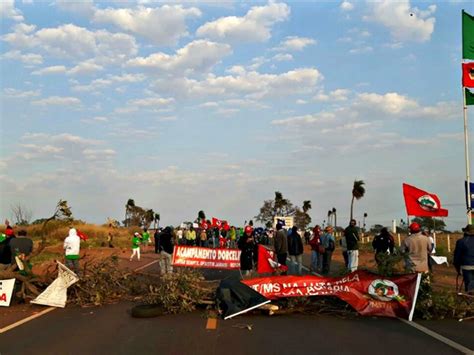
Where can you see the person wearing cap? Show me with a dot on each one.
(135, 246)
(280, 244)
(166, 249)
(246, 244)
(464, 258)
(418, 248)
(328, 244)
(72, 247)
(351, 235)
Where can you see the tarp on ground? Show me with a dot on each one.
(234, 298)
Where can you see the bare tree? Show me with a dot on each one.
(21, 214)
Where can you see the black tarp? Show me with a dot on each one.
(234, 298)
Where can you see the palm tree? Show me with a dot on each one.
(358, 191)
(306, 206)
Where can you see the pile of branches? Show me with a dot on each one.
(29, 285)
(104, 282)
(182, 291)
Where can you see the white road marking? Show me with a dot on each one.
(439, 337)
(27, 319)
(49, 309)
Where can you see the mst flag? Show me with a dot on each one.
(420, 203)
(468, 75)
(469, 97)
(467, 36)
(266, 261)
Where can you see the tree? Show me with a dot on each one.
(61, 212)
(277, 207)
(358, 192)
(302, 218)
(128, 207)
(434, 224)
(21, 214)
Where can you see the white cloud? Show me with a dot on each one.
(255, 26)
(346, 6)
(162, 25)
(19, 94)
(321, 117)
(152, 101)
(56, 69)
(8, 10)
(361, 50)
(196, 56)
(83, 7)
(250, 85)
(335, 95)
(283, 57)
(29, 59)
(404, 22)
(101, 83)
(98, 154)
(57, 101)
(294, 43)
(85, 68)
(62, 138)
(73, 42)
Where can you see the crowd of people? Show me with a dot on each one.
(287, 244)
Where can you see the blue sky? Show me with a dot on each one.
(185, 106)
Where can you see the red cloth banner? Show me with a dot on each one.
(468, 75)
(368, 294)
(206, 258)
(420, 203)
(266, 261)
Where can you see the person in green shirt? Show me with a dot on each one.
(135, 246)
(145, 237)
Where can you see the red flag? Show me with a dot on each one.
(420, 203)
(225, 226)
(468, 75)
(266, 262)
(216, 222)
(81, 235)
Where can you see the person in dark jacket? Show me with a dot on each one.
(166, 248)
(280, 244)
(464, 258)
(383, 244)
(247, 245)
(351, 234)
(295, 250)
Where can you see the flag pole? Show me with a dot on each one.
(466, 154)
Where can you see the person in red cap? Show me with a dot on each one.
(418, 248)
(247, 245)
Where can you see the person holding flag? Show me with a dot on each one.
(418, 248)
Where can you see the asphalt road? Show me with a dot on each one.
(111, 330)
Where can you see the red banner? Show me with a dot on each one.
(368, 294)
(266, 261)
(206, 258)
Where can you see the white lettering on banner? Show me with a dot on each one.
(206, 257)
(6, 291)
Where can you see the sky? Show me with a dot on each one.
(214, 106)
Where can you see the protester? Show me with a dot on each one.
(307, 235)
(464, 258)
(232, 237)
(21, 247)
(345, 255)
(295, 250)
(418, 247)
(352, 240)
(110, 239)
(156, 236)
(246, 245)
(179, 235)
(136, 246)
(315, 242)
(383, 244)
(328, 244)
(145, 238)
(72, 247)
(203, 238)
(281, 245)
(5, 252)
(166, 249)
(191, 237)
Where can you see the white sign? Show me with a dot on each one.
(56, 293)
(6, 291)
(289, 221)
